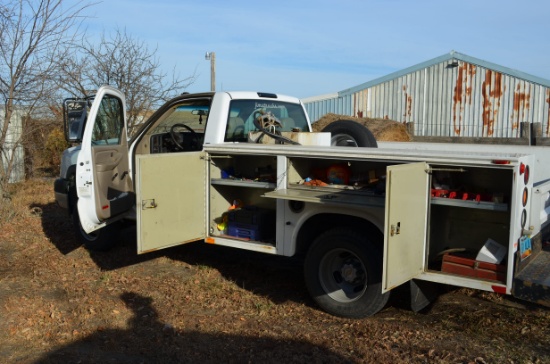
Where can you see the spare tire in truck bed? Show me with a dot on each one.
(350, 133)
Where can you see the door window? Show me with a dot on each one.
(109, 122)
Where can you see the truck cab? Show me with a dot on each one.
(99, 173)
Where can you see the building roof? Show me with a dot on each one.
(452, 56)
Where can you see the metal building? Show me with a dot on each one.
(453, 95)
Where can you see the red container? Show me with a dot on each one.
(473, 268)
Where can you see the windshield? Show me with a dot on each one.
(243, 112)
(192, 113)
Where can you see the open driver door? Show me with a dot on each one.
(103, 177)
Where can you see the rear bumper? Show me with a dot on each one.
(532, 282)
(61, 190)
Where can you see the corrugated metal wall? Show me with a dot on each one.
(450, 98)
(318, 106)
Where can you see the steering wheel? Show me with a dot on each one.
(175, 138)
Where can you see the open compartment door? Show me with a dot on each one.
(171, 199)
(407, 198)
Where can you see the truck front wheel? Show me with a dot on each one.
(343, 273)
(99, 240)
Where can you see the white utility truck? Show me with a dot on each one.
(242, 169)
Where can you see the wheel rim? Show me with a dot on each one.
(343, 140)
(343, 275)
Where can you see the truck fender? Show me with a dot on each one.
(315, 219)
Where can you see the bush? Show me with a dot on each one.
(53, 148)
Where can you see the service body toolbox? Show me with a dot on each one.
(417, 225)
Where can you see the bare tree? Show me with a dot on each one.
(126, 63)
(33, 36)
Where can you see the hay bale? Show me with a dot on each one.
(383, 130)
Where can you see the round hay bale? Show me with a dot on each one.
(383, 130)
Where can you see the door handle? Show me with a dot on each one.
(148, 204)
(395, 229)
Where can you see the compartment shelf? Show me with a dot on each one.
(241, 183)
(483, 205)
(334, 197)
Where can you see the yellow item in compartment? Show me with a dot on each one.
(223, 224)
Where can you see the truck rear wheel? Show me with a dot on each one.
(349, 133)
(343, 274)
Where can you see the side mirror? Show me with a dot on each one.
(75, 112)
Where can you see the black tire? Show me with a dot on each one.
(343, 274)
(351, 134)
(100, 240)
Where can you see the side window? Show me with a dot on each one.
(235, 130)
(109, 121)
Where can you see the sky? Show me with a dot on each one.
(307, 48)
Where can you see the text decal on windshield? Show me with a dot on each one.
(268, 106)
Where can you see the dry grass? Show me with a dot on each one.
(60, 303)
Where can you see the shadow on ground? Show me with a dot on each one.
(166, 345)
(278, 278)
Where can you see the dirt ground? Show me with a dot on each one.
(60, 303)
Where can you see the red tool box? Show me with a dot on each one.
(465, 266)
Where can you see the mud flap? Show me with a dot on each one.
(422, 294)
(532, 283)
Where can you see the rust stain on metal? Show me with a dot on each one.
(462, 93)
(358, 104)
(492, 91)
(472, 70)
(522, 100)
(360, 99)
(408, 104)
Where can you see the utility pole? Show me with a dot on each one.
(212, 57)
